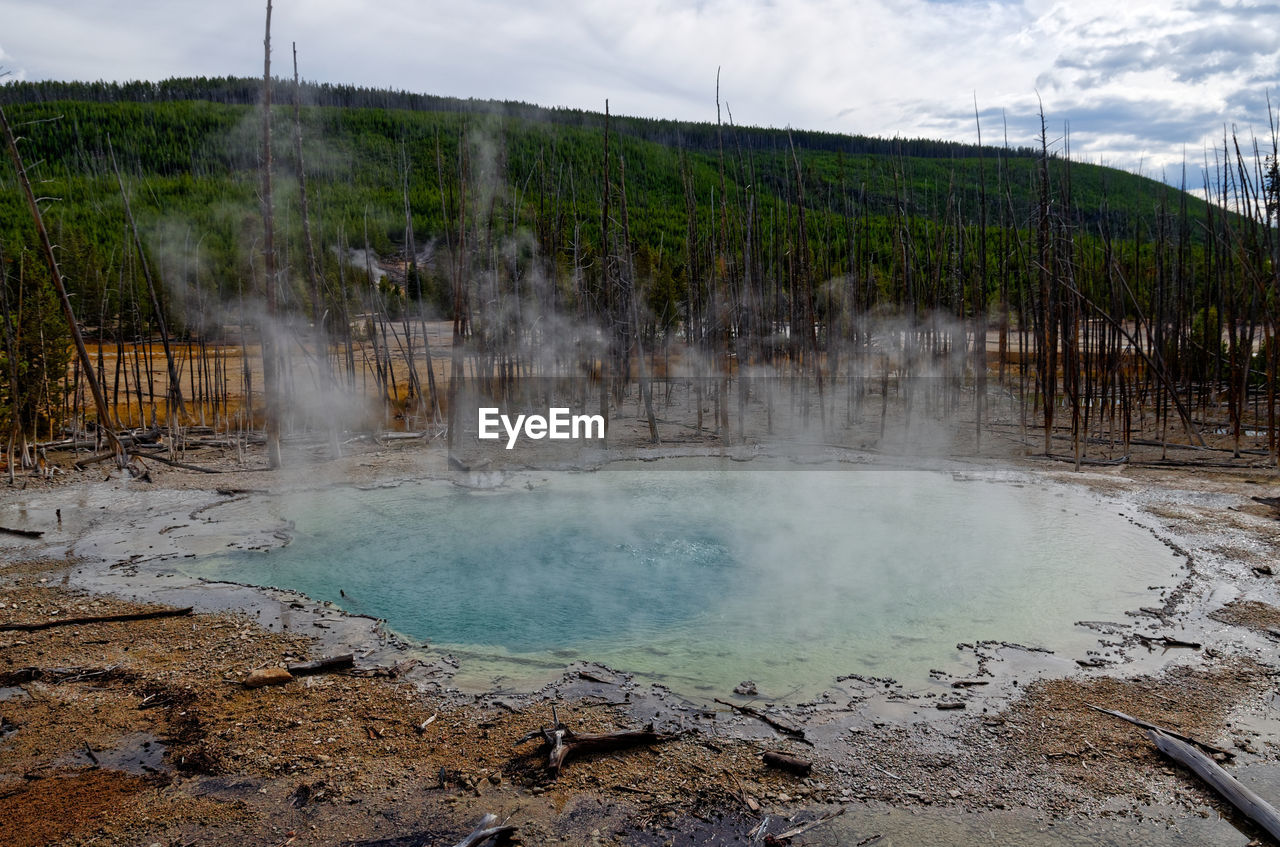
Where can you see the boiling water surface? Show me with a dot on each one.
(704, 578)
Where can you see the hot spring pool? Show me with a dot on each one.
(701, 578)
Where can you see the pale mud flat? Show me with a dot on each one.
(1024, 762)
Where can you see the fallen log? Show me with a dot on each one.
(1169, 732)
(486, 829)
(81, 464)
(92, 619)
(23, 533)
(267, 676)
(183, 465)
(567, 743)
(787, 762)
(1249, 804)
(564, 743)
(333, 664)
(785, 729)
(1168, 641)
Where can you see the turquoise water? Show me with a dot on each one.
(704, 578)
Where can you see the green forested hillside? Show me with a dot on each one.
(189, 152)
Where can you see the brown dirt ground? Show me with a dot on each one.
(347, 744)
(1252, 614)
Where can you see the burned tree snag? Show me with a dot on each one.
(267, 327)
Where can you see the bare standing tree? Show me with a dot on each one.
(267, 327)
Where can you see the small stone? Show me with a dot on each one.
(747, 688)
(495, 779)
(953, 794)
(267, 676)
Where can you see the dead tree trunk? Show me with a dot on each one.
(267, 327)
(175, 386)
(1251, 805)
(86, 364)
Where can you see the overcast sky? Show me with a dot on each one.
(1138, 83)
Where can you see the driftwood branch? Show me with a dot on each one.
(486, 829)
(571, 744)
(183, 465)
(1249, 804)
(563, 743)
(332, 664)
(1168, 641)
(785, 729)
(1169, 732)
(23, 533)
(132, 616)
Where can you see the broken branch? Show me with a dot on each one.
(1169, 732)
(487, 829)
(785, 729)
(332, 664)
(132, 616)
